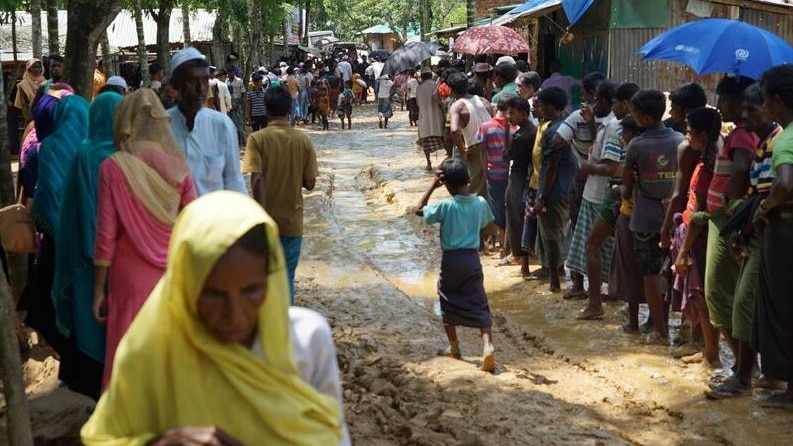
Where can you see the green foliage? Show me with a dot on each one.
(347, 19)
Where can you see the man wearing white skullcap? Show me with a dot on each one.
(208, 137)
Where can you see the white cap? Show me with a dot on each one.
(117, 81)
(507, 59)
(283, 64)
(185, 55)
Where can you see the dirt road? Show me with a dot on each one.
(370, 266)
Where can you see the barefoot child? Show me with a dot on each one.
(461, 283)
(323, 103)
(345, 105)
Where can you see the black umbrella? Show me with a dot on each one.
(379, 54)
(409, 56)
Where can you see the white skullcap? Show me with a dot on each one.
(185, 55)
(507, 59)
(117, 81)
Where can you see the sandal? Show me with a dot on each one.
(574, 294)
(589, 314)
(509, 261)
(764, 382)
(777, 401)
(540, 274)
(730, 389)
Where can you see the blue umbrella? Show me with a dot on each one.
(720, 46)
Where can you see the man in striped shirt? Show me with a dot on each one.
(255, 111)
(492, 135)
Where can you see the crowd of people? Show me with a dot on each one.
(144, 223)
(685, 214)
(146, 232)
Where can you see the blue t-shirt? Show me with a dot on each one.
(461, 217)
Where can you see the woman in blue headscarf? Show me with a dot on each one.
(56, 152)
(72, 288)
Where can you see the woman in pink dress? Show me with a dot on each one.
(142, 188)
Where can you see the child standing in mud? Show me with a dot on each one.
(461, 283)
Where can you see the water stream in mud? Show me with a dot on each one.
(396, 245)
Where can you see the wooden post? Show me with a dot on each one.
(18, 430)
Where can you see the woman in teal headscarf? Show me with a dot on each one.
(72, 288)
(56, 154)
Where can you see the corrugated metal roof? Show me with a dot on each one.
(122, 32)
(24, 33)
(378, 29)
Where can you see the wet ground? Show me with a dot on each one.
(370, 266)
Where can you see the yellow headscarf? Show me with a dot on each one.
(148, 154)
(171, 372)
(26, 88)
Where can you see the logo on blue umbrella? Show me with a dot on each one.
(742, 54)
(687, 49)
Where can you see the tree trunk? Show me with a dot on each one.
(254, 38)
(14, 48)
(186, 24)
(88, 19)
(104, 42)
(163, 19)
(35, 23)
(220, 36)
(143, 57)
(53, 40)
(19, 432)
(308, 17)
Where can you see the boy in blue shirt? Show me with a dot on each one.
(461, 283)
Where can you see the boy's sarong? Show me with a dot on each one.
(461, 290)
(384, 107)
(432, 144)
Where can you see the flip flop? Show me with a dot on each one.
(540, 274)
(777, 401)
(508, 261)
(590, 314)
(572, 294)
(730, 389)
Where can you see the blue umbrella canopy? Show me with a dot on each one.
(720, 46)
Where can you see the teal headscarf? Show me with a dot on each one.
(56, 154)
(72, 288)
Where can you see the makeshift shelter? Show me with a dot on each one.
(606, 35)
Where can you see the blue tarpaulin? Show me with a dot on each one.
(573, 9)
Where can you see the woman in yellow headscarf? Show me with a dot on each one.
(216, 353)
(26, 88)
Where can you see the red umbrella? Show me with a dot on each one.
(490, 39)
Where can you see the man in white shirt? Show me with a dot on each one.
(224, 95)
(237, 89)
(346, 69)
(208, 137)
(384, 110)
(410, 93)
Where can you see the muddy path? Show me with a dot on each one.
(370, 266)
